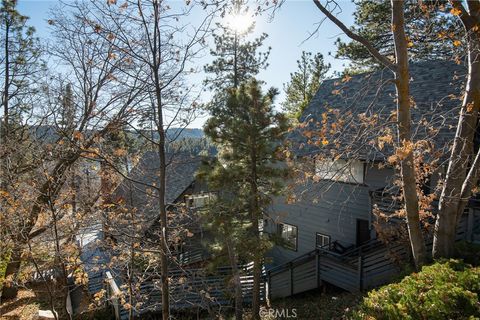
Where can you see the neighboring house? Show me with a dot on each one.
(183, 196)
(334, 210)
(193, 286)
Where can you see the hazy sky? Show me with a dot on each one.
(287, 32)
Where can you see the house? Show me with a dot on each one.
(349, 168)
(134, 217)
(183, 196)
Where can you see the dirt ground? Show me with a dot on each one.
(27, 304)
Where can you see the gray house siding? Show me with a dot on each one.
(326, 207)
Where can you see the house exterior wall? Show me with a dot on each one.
(326, 207)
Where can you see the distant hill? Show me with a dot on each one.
(185, 133)
(49, 133)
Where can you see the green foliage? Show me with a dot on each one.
(21, 60)
(431, 32)
(304, 83)
(4, 258)
(444, 290)
(193, 146)
(235, 59)
(247, 131)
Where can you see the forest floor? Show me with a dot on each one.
(332, 304)
(25, 306)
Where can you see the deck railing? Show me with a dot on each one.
(367, 266)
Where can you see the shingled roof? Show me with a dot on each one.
(136, 193)
(436, 88)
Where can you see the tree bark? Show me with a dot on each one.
(456, 190)
(232, 255)
(255, 215)
(401, 72)
(407, 168)
(162, 169)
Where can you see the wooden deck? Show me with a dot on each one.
(191, 289)
(362, 268)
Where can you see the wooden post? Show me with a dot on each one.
(317, 268)
(291, 279)
(360, 272)
(114, 294)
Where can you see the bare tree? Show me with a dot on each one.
(161, 46)
(102, 98)
(401, 73)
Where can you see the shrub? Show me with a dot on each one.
(444, 290)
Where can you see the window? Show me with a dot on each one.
(288, 233)
(322, 240)
(340, 170)
(200, 200)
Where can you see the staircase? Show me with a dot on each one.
(362, 268)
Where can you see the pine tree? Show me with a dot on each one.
(20, 56)
(20, 64)
(227, 221)
(247, 130)
(236, 61)
(304, 83)
(431, 32)
(236, 58)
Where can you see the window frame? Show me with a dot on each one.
(286, 241)
(324, 236)
(190, 199)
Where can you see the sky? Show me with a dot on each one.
(288, 32)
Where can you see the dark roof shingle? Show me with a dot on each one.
(436, 88)
(136, 193)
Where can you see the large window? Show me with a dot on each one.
(351, 171)
(322, 240)
(289, 235)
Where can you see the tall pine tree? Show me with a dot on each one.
(247, 130)
(244, 127)
(20, 64)
(236, 59)
(304, 83)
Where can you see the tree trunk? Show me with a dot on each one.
(10, 288)
(232, 255)
(452, 199)
(257, 270)
(407, 168)
(161, 202)
(163, 213)
(48, 192)
(254, 215)
(6, 96)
